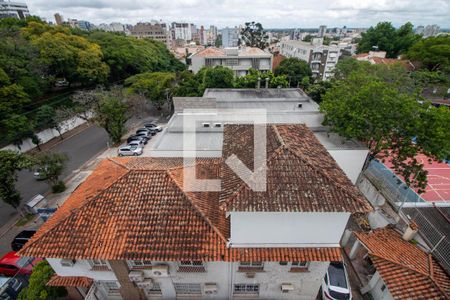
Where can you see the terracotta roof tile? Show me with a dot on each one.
(409, 272)
(210, 51)
(301, 174)
(76, 281)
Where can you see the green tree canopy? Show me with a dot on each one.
(216, 77)
(386, 38)
(253, 35)
(251, 80)
(10, 163)
(375, 109)
(432, 53)
(37, 287)
(295, 70)
(51, 166)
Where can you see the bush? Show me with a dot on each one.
(59, 187)
(37, 287)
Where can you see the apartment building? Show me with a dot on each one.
(240, 60)
(17, 10)
(183, 31)
(230, 37)
(321, 58)
(132, 230)
(153, 31)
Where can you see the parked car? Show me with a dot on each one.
(130, 151)
(12, 264)
(335, 284)
(21, 239)
(144, 130)
(137, 138)
(144, 135)
(10, 287)
(39, 175)
(153, 126)
(137, 143)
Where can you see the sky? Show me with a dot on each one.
(270, 13)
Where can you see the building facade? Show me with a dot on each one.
(153, 31)
(240, 60)
(17, 10)
(322, 31)
(59, 19)
(230, 37)
(321, 58)
(182, 31)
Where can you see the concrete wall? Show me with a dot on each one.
(287, 229)
(181, 103)
(376, 290)
(47, 135)
(223, 274)
(350, 161)
(370, 192)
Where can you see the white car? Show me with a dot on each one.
(137, 143)
(130, 151)
(153, 127)
(335, 284)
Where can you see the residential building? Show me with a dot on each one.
(133, 231)
(182, 31)
(113, 27)
(202, 35)
(230, 37)
(212, 35)
(85, 25)
(395, 268)
(17, 10)
(379, 58)
(155, 31)
(321, 58)
(240, 60)
(59, 19)
(322, 31)
(431, 30)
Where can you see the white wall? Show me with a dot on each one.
(350, 161)
(80, 268)
(374, 287)
(287, 229)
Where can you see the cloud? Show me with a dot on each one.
(271, 13)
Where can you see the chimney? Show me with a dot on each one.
(410, 231)
(267, 82)
(258, 86)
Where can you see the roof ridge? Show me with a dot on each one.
(73, 211)
(118, 163)
(243, 184)
(206, 219)
(337, 184)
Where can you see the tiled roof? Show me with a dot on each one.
(301, 174)
(76, 281)
(144, 214)
(210, 51)
(137, 208)
(409, 272)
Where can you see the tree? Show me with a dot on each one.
(37, 287)
(187, 85)
(388, 119)
(10, 163)
(432, 53)
(218, 41)
(51, 167)
(17, 129)
(318, 89)
(386, 38)
(111, 114)
(251, 80)
(308, 38)
(295, 70)
(46, 118)
(216, 77)
(253, 35)
(155, 86)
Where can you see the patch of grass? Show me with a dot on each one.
(25, 220)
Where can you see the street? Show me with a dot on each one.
(79, 148)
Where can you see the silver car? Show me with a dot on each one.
(130, 151)
(137, 143)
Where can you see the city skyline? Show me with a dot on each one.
(229, 13)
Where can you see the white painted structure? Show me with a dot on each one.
(17, 10)
(287, 229)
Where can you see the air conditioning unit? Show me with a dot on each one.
(67, 262)
(160, 271)
(287, 287)
(147, 283)
(250, 275)
(210, 288)
(136, 276)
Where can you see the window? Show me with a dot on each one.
(99, 264)
(383, 287)
(206, 125)
(191, 263)
(299, 264)
(251, 266)
(231, 62)
(139, 263)
(246, 289)
(217, 124)
(111, 287)
(283, 263)
(191, 266)
(155, 290)
(187, 288)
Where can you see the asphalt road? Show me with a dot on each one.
(79, 148)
